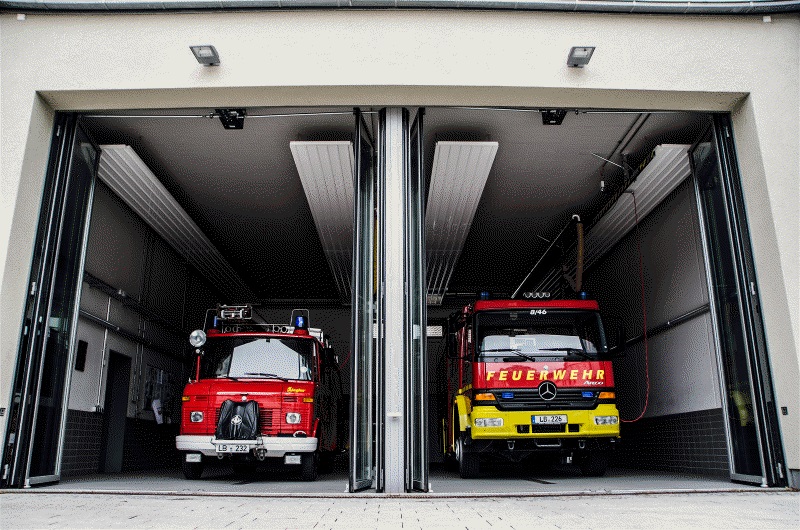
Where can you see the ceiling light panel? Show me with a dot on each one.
(459, 174)
(668, 168)
(130, 178)
(326, 172)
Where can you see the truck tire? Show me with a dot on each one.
(308, 467)
(192, 470)
(593, 463)
(468, 463)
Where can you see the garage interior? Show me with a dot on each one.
(145, 288)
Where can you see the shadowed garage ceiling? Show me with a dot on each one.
(243, 190)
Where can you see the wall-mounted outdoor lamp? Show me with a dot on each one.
(579, 56)
(206, 55)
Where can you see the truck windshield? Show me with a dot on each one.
(258, 357)
(538, 335)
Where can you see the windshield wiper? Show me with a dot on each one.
(516, 352)
(570, 351)
(271, 376)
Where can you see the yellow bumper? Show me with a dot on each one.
(584, 419)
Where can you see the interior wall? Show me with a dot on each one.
(671, 380)
(150, 293)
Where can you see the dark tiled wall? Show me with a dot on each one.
(692, 442)
(149, 446)
(82, 441)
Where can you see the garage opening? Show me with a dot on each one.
(264, 214)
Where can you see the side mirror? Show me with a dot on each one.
(329, 357)
(616, 338)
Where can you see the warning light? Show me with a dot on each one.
(300, 322)
(583, 295)
(484, 295)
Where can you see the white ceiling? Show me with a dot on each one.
(242, 187)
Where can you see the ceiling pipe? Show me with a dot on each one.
(754, 7)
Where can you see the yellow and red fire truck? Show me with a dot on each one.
(530, 377)
(260, 391)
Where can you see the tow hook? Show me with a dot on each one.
(261, 454)
(510, 445)
(581, 444)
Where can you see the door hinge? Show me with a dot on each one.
(58, 130)
(5, 472)
(753, 288)
(727, 132)
(33, 288)
(779, 466)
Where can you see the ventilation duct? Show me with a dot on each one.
(326, 172)
(130, 178)
(459, 174)
(668, 167)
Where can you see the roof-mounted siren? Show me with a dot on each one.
(235, 312)
(300, 321)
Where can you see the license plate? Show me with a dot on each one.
(291, 459)
(233, 448)
(550, 419)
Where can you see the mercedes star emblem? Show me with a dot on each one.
(547, 391)
(236, 420)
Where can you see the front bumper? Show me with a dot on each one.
(275, 446)
(580, 424)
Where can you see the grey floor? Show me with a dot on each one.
(556, 480)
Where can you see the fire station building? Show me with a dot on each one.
(384, 164)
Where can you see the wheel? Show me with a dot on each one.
(308, 467)
(468, 463)
(192, 470)
(593, 463)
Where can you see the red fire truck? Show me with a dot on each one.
(530, 377)
(260, 391)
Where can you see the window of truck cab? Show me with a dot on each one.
(524, 335)
(258, 357)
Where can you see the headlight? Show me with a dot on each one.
(606, 420)
(488, 422)
(196, 416)
(292, 417)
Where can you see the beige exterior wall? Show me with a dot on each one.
(394, 57)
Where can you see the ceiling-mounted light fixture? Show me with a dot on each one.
(206, 54)
(232, 118)
(553, 116)
(579, 56)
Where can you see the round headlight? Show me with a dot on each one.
(197, 338)
(196, 416)
(293, 417)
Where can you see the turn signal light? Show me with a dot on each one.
(484, 397)
(607, 395)
(185, 398)
(308, 400)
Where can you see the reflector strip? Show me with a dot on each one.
(326, 172)
(459, 174)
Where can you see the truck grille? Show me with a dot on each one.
(266, 420)
(566, 399)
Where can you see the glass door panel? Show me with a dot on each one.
(61, 321)
(416, 315)
(364, 315)
(746, 383)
